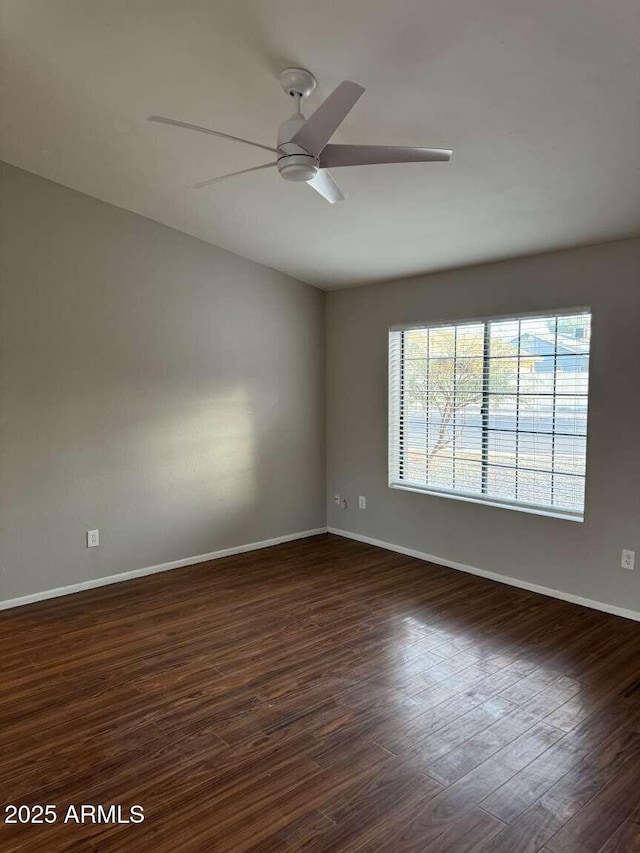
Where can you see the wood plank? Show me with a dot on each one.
(610, 808)
(626, 839)
(537, 826)
(515, 796)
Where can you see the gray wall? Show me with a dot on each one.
(583, 559)
(162, 390)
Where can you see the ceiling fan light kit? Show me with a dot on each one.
(303, 151)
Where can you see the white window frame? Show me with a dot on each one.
(394, 417)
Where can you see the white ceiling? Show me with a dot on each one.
(539, 101)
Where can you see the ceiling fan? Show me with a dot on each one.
(303, 151)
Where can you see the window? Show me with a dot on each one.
(492, 410)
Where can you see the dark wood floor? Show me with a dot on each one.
(322, 695)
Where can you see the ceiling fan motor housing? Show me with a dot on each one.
(294, 163)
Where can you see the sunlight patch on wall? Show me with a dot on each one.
(208, 447)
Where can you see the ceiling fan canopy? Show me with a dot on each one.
(304, 153)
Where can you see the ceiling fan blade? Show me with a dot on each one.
(364, 155)
(324, 184)
(230, 175)
(175, 123)
(320, 127)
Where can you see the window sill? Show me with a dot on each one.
(532, 509)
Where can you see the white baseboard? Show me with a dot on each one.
(494, 576)
(152, 570)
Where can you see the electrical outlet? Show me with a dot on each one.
(628, 559)
(93, 538)
(337, 500)
(362, 502)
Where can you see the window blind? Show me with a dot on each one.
(493, 410)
